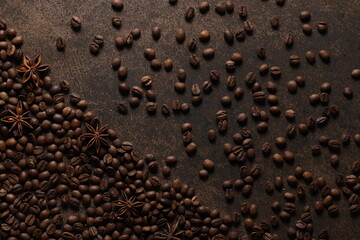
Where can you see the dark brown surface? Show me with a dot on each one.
(41, 22)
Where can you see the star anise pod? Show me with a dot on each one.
(96, 136)
(127, 206)
(31, 69)
(17, 118)
(170, 233)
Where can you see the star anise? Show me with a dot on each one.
(31, 69)
(127, 206)
(17, 118)
(170, 233)
(96, 136)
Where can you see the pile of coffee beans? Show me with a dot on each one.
(65, 175)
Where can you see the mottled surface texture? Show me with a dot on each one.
(42, 21)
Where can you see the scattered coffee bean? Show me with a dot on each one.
(275, 22)
(117, 5)
(156, 33)
(180, 35)
(322, 27)
(204, 7)
(75, 23)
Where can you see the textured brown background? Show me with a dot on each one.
(42, 21)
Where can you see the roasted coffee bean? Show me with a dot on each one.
(322, 27)
(60, 44)
(307, 29)
(289, 40)
(190, 14)
(274, 22)
(243, 13)
(165, 109)
(156, 33)
(155, 64)
(98, 39)
(129, 40)
(305, 16)
(275, 71)
(310, 57)
(230, 66)
(151, 107)
(116, 22)
(231, 81)
(194, 61)
(208, 53)
(240, 34)
(324, 56)
(229, 5)
(117, 4)
(94, 48)
(75, 23)
(120, 42)
(212, 135)
(204, 7)
(168, 64)
(192, 44)
(229, 37)
(248, 26)
(355, 74)
(204, 36)
(215, 76)
(116, 63)
(149, 53)
(220, 8)
(294, 60)
(180, 35)
(264, 69)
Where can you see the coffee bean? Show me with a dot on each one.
(149, 53)
(179, 87)
(117, 5)
(146, 81)
(136, 33)
(355, 74)
(116, 22)
(116, 63)
(348, 92)
(305, 16)
(120, 42)
(204, 36)
(172, 2)
(230, 66)
(208, 53)
(134, 102)
(243, 12)
(259, 96)
(229, 5)
(60, 44)
(204, 7)
(294, 60)
(310, 57)
(122, 108)
(220, 8)
(240, 34)
(122, 73)
(94, 48)
(181, 75)
(191, 43)
(194, 61)
(191, 149)
(215, 76)
(180, 35)
(228, 37)
(190, 14)
(264, 69)
(231, 81)
(168, 64)
(289, 40)
(324, 56)
(322, 27)
(155, 64)
(248, 26)
(151, 107)
(156, 33)
(75, 23)
(165, 109)
(307, 29)
(212, 135)
(129, 40)
(275, 71)
(226, 101)
(274, 22)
